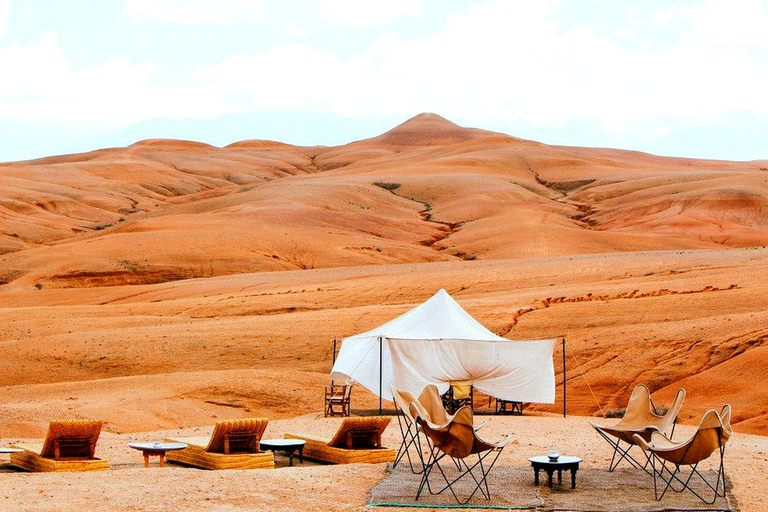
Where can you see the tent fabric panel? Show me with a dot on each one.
(358, 361)
(511, 370)
(522, 371)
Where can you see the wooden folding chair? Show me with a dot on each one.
(338, 396)
(459, 394)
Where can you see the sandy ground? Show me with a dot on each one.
(180, 354)
(129, 486)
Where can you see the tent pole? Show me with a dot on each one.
(564, 379)
(381, 364)
(334, 356)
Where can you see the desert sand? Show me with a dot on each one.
(130, 486)
(170, 283)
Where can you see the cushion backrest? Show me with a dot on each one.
(237, 436)
(75, 438)
(351, 426)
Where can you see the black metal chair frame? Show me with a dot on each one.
(619, 449)
(659, 473)
(434, 458)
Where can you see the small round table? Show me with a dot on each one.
(564, 463)
(289, 446)
(158, 449)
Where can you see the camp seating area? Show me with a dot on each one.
(357, 441)
(68, 446)
(233, 444)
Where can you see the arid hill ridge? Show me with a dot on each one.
(460, 193)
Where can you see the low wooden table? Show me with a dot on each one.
(564, 463)
(289, 446)
(158, 449)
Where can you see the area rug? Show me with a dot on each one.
(625, 490)
(399, 489)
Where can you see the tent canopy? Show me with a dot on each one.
(438, 342)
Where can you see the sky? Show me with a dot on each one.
(686, 78)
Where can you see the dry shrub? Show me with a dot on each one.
(386, 186)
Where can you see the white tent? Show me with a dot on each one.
(438, 342)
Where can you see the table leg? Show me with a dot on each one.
(162, 459)
(536, 478)
(301, 454)
(550, 472)
(290, 458)
(146, 460)
(573, 479)
(559, 477)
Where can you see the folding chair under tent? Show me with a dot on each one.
(438, 342)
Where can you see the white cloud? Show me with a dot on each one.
(296, 32)
(664, 16)
(112, 94)
(337, 12)
(502, 60)
(5, 11)
(509, 61)
(193, 11)
(727, 23)
(357, 12)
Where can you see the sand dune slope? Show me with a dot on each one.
(428, 190)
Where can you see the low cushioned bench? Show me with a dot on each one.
(68, 446)
(234, 444)
(357, 441)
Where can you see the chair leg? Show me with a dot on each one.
(481, 480)
(413, 442)
(409, 439)
(432, 460)
(673, 477)
(623, 454)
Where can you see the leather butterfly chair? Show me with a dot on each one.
(458, 440)
(713, 432)
(640, 419)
